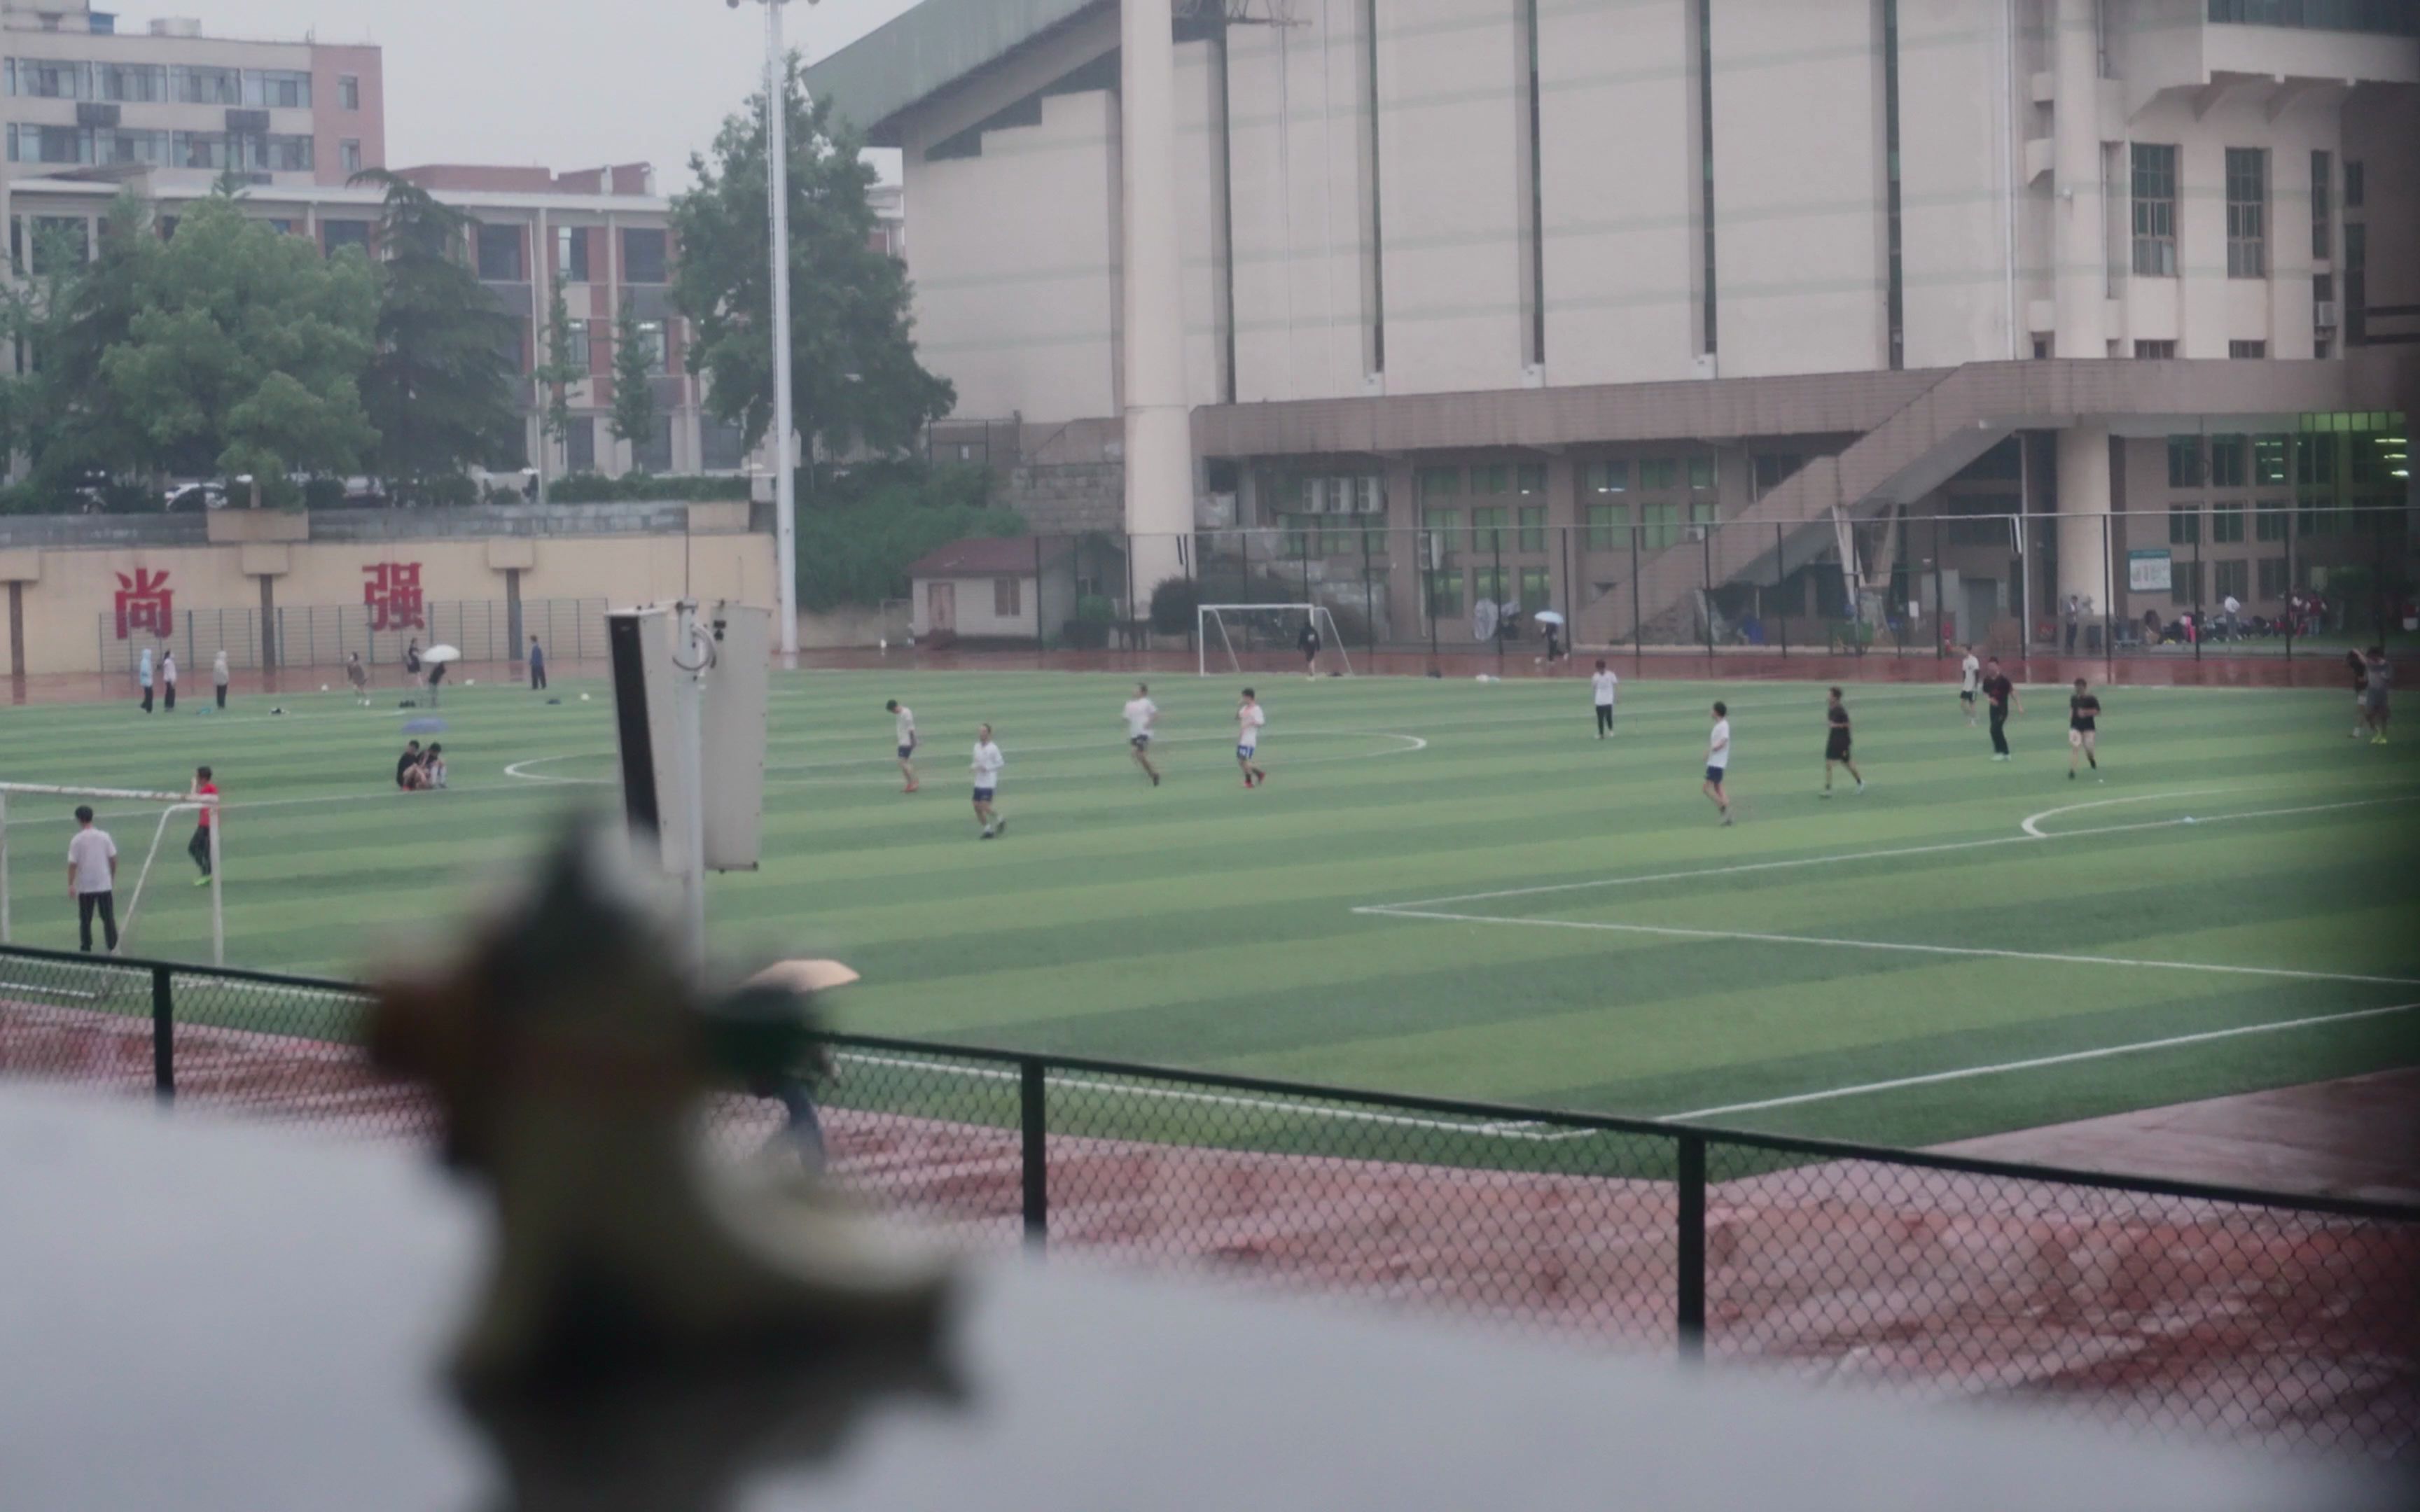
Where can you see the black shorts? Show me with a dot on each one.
(1966, 695)
(1836, 746)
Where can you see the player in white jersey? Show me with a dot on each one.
(905, 718)
(1606, 686)
(1140, 713)
(1250, 717)
(988, 761)
(1719, 760)
(1970, 674)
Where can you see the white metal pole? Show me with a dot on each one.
(785, 490)
(218, 899)
(4, 869)
(690, 661)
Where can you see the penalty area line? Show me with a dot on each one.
(2036, 1062)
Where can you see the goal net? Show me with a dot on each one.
(37, 822)
(1226, 634)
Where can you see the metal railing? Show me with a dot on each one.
(323, 634)
(2154, 1304)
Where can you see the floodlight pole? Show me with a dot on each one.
(785, 487)
(693, 655)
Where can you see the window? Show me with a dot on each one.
(1007, 601)
(643, 259)
(1495, 477)
(2231, 580)
(2228, 468)
(655, 452)
(1537, 590)
(2184, 462)
(2247, 348)
(1608, 477)
(48, 144)
(575, 342)
(2356, 284)
(49, 79)
(2155, 210)
(193, 85)
(1702, 472)
(1533, 527)
(2353, 176)
(2315, 461)
(2247, 213)
(499, 253)
(2184, 583)
(651, 341)
(2322, 244)
(1772, 470)
(1445, 532)
(2268, 460)
(2226, 522)
(1529, 478)
(1445, 594)
(133, 84)
(2324, 15)
(571, 254)
(722, 447)
(1487, 530)
(2269, 520)
(2316, 517)
(2184, 524)
(335, 235)
(1661, 526)
(349, 93)
(580, 444)
(348, 155)
(277, 88)
(2273, 577)
(1489, 584)
(2155, 351)
(1659, 472)
(1438, 482)
(1608, 526)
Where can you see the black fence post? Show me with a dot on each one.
(1940, 626)
(1637, 632)
(1033, 1150)
(1781, 587)
(1691, 1262)
(1706, 612)
(2109, 599)
(2293, 588)
(164, 1036)
(2201, 616)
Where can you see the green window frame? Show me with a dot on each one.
(2227, 521)
(2272, 520)
(2184, 583)
(1611, 477)
(1537, 590)
(2231, 577)
(1491, 478)
(1487, 529)
(1489, 584)
(1660, 526)
(2229, 461)
(2268, 460)
(1440, 482)
(1608, 526)
(1533, 527)
(2184, 524)
(1445, 525)
(2185, 470)
(1701, 472)
(1658, 472)
(1445, 594)
(2273, 577)
(1529, 478)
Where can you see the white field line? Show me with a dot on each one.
(1525, 1133)
(1411, 744)
(2032, 824)
(2037, 1061)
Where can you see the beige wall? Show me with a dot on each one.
(77, 589)
(1954, 181)
(974, 602)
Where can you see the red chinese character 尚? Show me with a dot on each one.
(393, 595)
(145, 603)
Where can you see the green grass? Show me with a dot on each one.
(1200, 925)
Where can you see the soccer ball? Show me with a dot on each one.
(470, 682)
(323, 687)
(584, 698)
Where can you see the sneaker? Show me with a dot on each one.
(1154, 778)
(987, 834)
(2070, 774)
(201, 882)
(1861, 788)
(1726, 819)
(1825, 793)
(1001, 827)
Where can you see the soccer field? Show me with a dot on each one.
(1448, 888)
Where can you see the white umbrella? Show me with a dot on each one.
(439, 655)
(1547, 616)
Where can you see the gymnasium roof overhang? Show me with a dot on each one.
(930, 48)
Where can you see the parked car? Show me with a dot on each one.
(205, 494)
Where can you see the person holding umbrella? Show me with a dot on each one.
(437, 658)
(1551, 623)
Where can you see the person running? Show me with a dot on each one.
(1835, 743)
(1604, 686)
(359, 676)
(219, 676)
(2083, 730)
(1250, 717)
(168, 682)
(143, 677)
(536, 666)
(1308, 643)
(1970, 681)
(199, 846)
(989, 762)
(92, 879)
(1140, 714)
(1998, 692)
(1719, 760)
(2380, 684)
(2354, 661)
(408, 774)
(905, 720)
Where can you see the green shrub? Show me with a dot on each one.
(1173, 604)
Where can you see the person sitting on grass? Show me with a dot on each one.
(409, 775)
(432, 766)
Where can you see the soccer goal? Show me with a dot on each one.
(37, 820)
(1223, 632)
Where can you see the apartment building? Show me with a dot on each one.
(1645, 294)
(75, 91)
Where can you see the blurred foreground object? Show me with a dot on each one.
(570, 1054)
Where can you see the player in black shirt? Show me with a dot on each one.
(1835, 743)
(2083, 719)
(1998, 692)
(2359, 667)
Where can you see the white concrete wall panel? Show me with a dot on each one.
(1203, 274)
(1798, 218)
(1450, 128)
(1621, 244)
(1015, 261)
(1952, 182)
(1294, 101)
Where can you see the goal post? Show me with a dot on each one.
(1238, 628)
(19, 820)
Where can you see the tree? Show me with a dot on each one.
(440, 386)
(856, 546)
(64, 311)
(554, 378)
(635, 360)
(244, 352)
(856, 375)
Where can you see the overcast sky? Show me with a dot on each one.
(565, 84)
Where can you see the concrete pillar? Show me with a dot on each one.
(2080, 285)
(2084, 536)
(1159, 433)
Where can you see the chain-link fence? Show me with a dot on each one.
(2151, 1304)
(324, 635)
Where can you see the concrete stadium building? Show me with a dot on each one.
(1623, 299)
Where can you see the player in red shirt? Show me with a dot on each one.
(199, 849)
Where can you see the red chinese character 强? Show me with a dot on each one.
(145, 603)
(393, 595)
